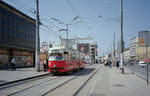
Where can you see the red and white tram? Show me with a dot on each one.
(63, 60)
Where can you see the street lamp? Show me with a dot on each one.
(37, 51)
(67, 25)
(121, 37)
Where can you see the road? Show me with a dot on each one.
(94, 80)
(51, 85)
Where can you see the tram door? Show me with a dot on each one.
(66, 57)
(79, 60)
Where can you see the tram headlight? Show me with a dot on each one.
(54, 65)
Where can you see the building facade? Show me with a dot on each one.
(17, 37)
(126, 55)
(132, 47)
(141, 53)
(143, 42)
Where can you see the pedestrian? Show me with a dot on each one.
(13, 64)
(117, 64)
(110, 64)
(44, 64)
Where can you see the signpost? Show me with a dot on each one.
(45, 45)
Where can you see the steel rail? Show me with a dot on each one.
(46, 93)
(32, 86)
(75, 94)
(23, 82)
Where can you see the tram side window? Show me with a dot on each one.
(55, 56)
(65, 56)
(74, 56)
(82, 57)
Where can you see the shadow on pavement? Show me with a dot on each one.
(87, 71)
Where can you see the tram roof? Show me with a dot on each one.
(57, 48)
(62, 48)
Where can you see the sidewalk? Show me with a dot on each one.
(9, 76)
(110, 82)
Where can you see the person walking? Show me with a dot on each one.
(13, 63)
(46, 64)
(117, 64)
(110, 64)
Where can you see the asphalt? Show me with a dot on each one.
(9, 76)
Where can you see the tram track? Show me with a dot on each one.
(57, 78)
(53, 82)
(82, 86)
(58, 86)
(28, 85)
(31, 87)
(71, 79)
(23, 82)
(12, 84)
(62, 84)
(22, 90)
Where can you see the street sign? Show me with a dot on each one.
(45, 45)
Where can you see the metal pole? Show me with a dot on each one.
(147, 65)
(121, 37)
(114, 57)
(37, 52)
(67, 35)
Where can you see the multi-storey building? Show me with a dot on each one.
(143, 42)
(132, 47)
(17, 37)
(126, 55)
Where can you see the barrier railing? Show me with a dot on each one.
(141, 71)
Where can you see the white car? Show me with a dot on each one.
(142, 63)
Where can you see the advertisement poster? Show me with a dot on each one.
(84, 48)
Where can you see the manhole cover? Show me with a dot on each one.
(119, 85)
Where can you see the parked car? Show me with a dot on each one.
(142, 63)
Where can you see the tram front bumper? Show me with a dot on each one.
(56, 68)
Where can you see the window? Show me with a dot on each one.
(16, 30)
(0, 19)
(0, 33)
(55, 56)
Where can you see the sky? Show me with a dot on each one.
(99, 19)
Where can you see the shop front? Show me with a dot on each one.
(4, 58)
(23, 58)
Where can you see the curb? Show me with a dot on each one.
(15, 81)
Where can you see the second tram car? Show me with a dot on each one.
(63, 60)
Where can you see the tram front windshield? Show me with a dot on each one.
(55, 56)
